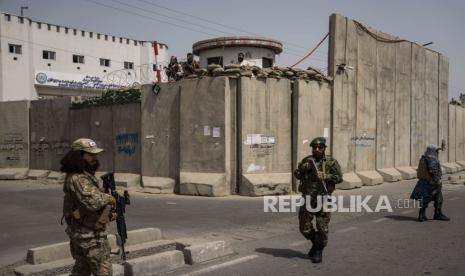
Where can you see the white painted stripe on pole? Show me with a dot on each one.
(219, 266)
(299, 243)
(408, 212)
(379, 220)
(347, 229)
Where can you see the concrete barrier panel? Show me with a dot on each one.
(79, 124)
(264, 127)
(49, 133)
(199, 253)
(451, 146)
(459, 135)
(101, 130)
(143, 235)
(48, 253)
(443, 113)
(154, 264)
(311, 118)
(365, 145)
(385, 104)
(160, 136)
(402, 104)
(14, 134)
(127, 138)
(431, 97)
(343, 50)
(418, 123)
(207, 133)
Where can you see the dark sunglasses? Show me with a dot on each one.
(319, 147)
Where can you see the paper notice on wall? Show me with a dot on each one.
(256, 139)
(207, 131)
(326, 132)
(216, 132)
(271, 140)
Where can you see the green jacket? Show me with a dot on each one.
(309, 184)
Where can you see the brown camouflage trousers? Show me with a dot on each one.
(320, 237)
(92, 257)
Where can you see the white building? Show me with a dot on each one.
(224, 50)
(41, 59)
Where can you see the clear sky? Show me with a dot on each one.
(299, 24)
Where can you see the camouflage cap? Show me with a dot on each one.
(87, 145)
(318, 141)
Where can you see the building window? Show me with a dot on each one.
(49, 27)
(106, 37)
(83, 33)
(105, 62)
(48, 55)
(75, 32)
(8, 17)
(78, 59)
(120, 40)
(135, 43)
(58, 29)
(39, 25)
(128, 65)
(215, 60)
(14, 49)
(21, 20)
(98, 36)
(91, 34)
(113, 39)
(267, 62)
(154, 67)
(66, 30)
(127, 41)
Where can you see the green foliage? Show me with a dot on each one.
(111, 97)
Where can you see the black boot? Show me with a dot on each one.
(438, 215)
(317, 256)
(311, 253)
(422, 215)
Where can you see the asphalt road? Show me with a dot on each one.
(266, 243)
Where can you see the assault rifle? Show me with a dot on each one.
(313, 170)
(120, 208)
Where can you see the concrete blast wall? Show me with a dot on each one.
(264, 124)
(160, 137)
(14, 134)
(311, 117)
(452, 134)
(50, 139)
(390, 100)
(460, 133)
(114, 128)
(207, 136)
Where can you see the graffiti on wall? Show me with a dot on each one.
(363, 141)
(11, 145)
(57, 148)
(126, 143)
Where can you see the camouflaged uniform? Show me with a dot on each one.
(86, 210)
(313, 188)
(429, 185)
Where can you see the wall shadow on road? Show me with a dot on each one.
(282, 253)
(402, 218)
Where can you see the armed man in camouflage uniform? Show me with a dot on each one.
(86, 210)
(311, 186)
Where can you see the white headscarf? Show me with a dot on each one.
(432, 151)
